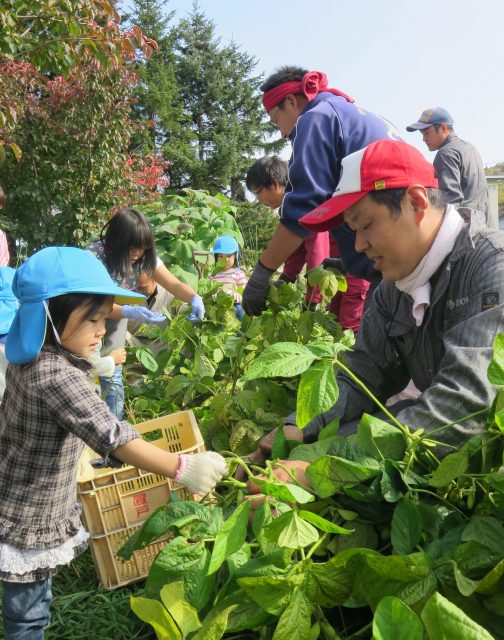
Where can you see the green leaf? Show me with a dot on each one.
(330, 430)
(145, 357)
(328, 281)
(280, 448)
(380, 439)
(406, 528)
(495, 371)
(487, 531)
(185, 276)
(487, 583)
(182, 560)
(153, 612)
(169, 517)
(317, 392)
(322, 523)
(214, 625)
(244, 437)
(295, 621)
(465, 585)
(444, 621)
(363, 535)
(328, 474)
(272, 593)
(375, 576)
(202, 366)
(289, 530)
(246, 615)
(394, 619)
(305, 325)
(313, 451)
(451, 467)
(327, 583)
(285, 491)
(262, 518)
(391, 483)
(284, 359)
(326, 349)
(185, 616)
(272, 564)
(231, 536)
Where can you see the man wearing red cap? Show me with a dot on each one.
(324, 125)
(434, 316)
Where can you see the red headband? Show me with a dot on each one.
(311, 84)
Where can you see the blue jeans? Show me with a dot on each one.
(114, 389)
(26, 609)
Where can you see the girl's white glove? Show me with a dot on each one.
(201, 471)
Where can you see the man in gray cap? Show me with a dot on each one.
(457, 163)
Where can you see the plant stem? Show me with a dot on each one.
(435, 495)
(317, 544)
(451, 424)
(402, 427)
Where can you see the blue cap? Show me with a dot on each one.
(434, 115)
(8, 301)
(51, 272)
(227, 245)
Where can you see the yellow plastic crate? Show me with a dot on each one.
(115, 502)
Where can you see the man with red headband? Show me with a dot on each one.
(324, 125)
(434, 316)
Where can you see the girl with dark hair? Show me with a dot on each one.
(49, 411)
(126, 248)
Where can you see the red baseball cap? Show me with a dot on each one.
(384, 164)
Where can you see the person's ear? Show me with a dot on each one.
(419, 200)
(444, 128)
(290, 100)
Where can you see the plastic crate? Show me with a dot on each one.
(115, 502)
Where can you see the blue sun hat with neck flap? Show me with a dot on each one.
(8, 301)
(51, 272)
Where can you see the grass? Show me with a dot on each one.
(81, 610)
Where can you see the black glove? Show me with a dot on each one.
(284, 279)
(334, 263)
(256, 291)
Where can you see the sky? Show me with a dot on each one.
(395, 57)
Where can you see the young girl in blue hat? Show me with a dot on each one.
(48, 412)
(227, 252)
(126, 248)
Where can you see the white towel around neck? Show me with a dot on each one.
(417, 284)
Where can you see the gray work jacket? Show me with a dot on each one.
(461, 176)
(447, 356)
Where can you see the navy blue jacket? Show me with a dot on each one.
(329, 129)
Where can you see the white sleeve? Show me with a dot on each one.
(105, 366)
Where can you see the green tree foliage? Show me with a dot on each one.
(257, 224)
(74, 168)
(157, 100)
(220, 95)
(55, 37)
(201, 101)
(65, 101)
